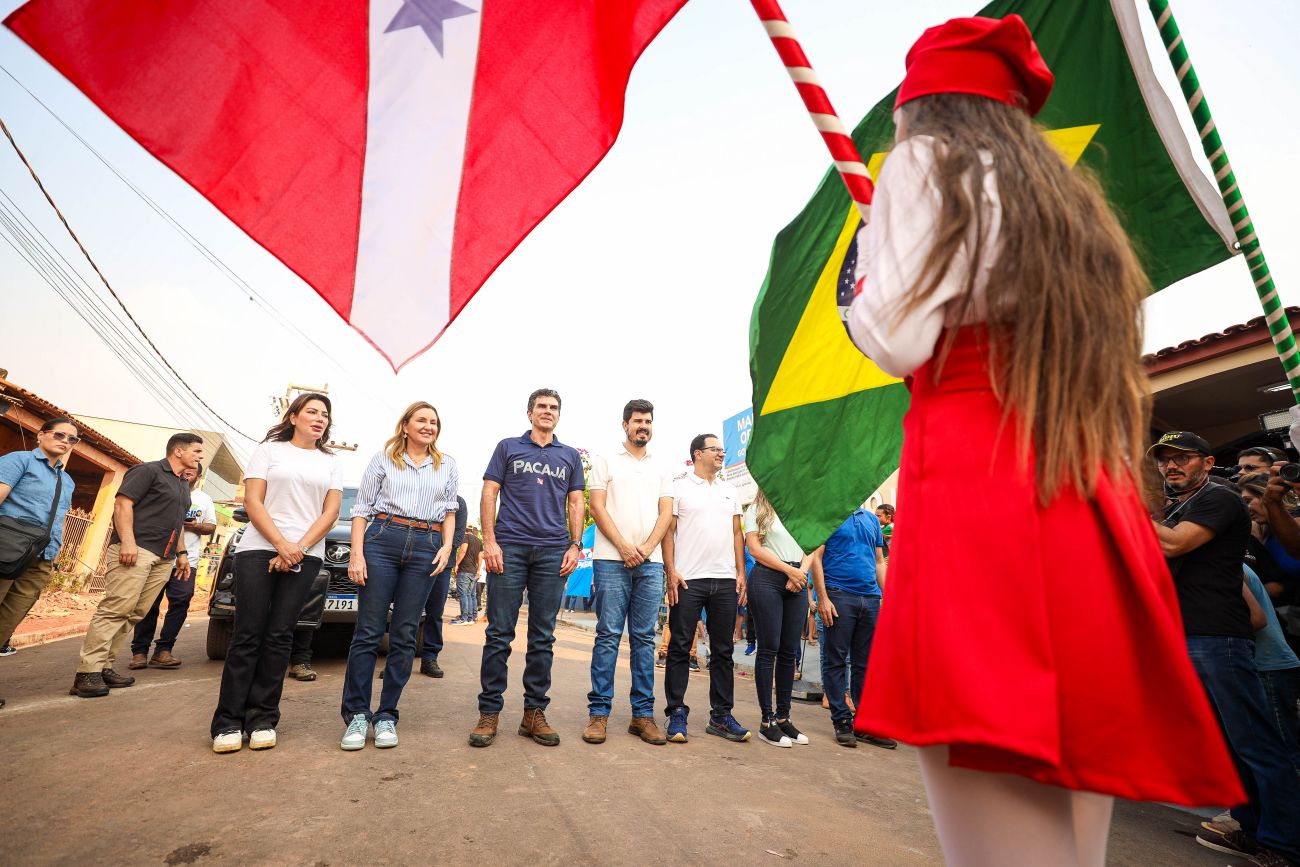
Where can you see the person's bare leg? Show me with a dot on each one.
(998, 820)
(1091, 826)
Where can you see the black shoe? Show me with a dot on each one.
(113, 680)
(695, 664)
(877, 741)
(429, 668)
(770, 732)
(2, 702)
(88, 685)
(791, 732)
(844, 733)
(1233, 843)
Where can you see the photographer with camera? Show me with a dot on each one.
(1203, 531)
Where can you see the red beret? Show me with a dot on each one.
(993, 57)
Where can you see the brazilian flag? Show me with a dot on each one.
(828, 422)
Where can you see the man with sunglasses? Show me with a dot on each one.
(34, 485)
(1203, 531)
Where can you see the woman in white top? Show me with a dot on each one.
(777, 604)
(402, 529)
(292, 491)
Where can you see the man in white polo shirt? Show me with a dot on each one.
(705, 563)
(631, 502)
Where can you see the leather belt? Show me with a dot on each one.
(405, 522)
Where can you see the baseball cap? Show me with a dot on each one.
(1184, 441)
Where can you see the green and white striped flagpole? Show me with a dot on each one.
(1274, 312)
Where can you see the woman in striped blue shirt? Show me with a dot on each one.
(402, 527)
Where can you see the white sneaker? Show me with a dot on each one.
(355, 737)
(385, 734)
(262, 739)
(228, 742)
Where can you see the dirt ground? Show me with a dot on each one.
(131, 779)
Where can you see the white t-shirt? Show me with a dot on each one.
(202, 511)
(705, 543)
(297, 481)
(778, 539)
(633, 488)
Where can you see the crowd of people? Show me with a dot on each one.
(1112, 638)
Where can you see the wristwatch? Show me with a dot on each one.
(573, 544)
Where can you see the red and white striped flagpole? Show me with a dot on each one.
(843, 151)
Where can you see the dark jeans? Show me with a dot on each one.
(266, 610)
(536, 570)
(1226, 667)
(300, 654)
(846, 646)
(433, 608)
(717, 596)
(1282, 689)
(179, 594)
(398, 560)
(778, 617)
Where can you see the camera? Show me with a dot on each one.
(1290, 473)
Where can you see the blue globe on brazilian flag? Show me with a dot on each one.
(828, 422)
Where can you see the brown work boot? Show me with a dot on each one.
(594, 733)
(88, 685)
(644, 727)
(113, 680)
(485, 732)
(302, 671)
(162, 659)
(138, 661)
(534, 726)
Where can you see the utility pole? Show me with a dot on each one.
(279, 405)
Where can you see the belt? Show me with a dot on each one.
(405, 522)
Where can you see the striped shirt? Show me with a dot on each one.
(424, 493)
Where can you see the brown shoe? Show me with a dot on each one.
(162, 659)
(113, 680)
(302, 671)
(534, 726)
(138, 661)
(594, 733)
(644, 727)
(485, 732)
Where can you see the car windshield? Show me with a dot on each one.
(345, 510)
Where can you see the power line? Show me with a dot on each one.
(108, 286)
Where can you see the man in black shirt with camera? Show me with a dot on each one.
(1203, 532)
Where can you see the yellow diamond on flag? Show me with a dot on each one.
(820, 362)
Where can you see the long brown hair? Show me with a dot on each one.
(282, 431)
(396, 445)
(1064, 295)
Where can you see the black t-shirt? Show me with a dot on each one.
(1209, 578)
(161, 500)
(474, 547)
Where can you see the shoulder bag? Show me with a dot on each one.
(22, 543)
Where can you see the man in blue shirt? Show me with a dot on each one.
(848, 572)
(531, 545)
(28, 483)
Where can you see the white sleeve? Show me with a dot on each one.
(259, 462)
(751, 519)
(892, 252)
(209, 515)
(336, 474)
(599, 478)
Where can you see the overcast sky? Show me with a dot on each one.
(639, 285)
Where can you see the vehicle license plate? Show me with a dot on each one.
(341, 602)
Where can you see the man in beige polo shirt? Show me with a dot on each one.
(148, 523)
(632, 502)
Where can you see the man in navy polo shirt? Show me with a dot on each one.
(532, 544)
(848, 572)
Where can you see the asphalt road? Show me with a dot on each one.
(131, 779)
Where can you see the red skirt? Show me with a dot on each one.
(1039, 641)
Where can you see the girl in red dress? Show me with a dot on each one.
(1030, 642)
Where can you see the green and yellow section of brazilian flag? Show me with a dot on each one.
(827, 421)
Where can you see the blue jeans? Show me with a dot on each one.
(778, 618)
(535, 570)
(467, 593)
(433, 608)
(621, 595)
(1282, 689)
(1226, 667)
(846, 646)
(398, 561)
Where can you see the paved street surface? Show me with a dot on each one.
(131, 779)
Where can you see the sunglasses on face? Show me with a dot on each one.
(1179, 460)
(60, 436)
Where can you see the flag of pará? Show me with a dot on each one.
(827, 422)
(390, 152)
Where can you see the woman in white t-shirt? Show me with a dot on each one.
(292, 491)
(402, 527)
(776, 601)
